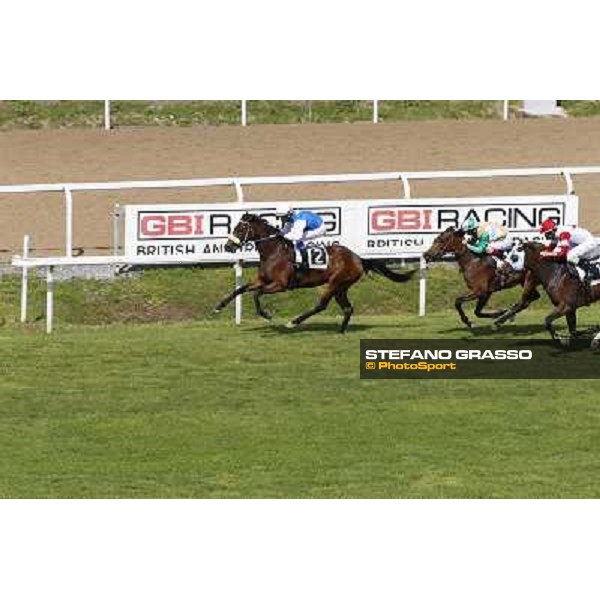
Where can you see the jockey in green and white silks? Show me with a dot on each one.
(487, 237)
(494, 240)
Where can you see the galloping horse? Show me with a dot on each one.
(562, 284)
(479, 273)
(277, 273)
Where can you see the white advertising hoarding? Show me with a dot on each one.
(371, 228)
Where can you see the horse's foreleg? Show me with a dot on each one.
(247, 287)
(458, 305)
(481, 302)
(227, 299)
(260, 311)
(271, 288)
(320, 306)
(572, 322)
(529, 295)
(560, 311)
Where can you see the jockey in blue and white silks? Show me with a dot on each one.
(300, 226)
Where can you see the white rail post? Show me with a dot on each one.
(405, 186)
(107, 115)
(422, 286)
(49, 298)
(505, 110)
(238, 268)
(239, 272)
(24, 280)
(375, 111)
(116, 223)
(244, 112)
(569, 181)
(68, 221)
(239, 192)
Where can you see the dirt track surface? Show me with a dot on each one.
(162, 153)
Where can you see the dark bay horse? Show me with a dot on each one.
(562, 284)
(277, 271)
(479, 273)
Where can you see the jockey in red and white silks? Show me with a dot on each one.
(569, 242)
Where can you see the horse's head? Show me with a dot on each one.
(447, 242)
(249, 229)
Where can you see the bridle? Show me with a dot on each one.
(445, 250)
(236, 240)
(247, 231)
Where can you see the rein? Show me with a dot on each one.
(248, 229)
(269, 237)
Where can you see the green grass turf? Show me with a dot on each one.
(24, 114)
(204, 409)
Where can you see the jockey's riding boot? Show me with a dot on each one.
(303, 264)
(585, 266)
(587, 281)
(304, 253)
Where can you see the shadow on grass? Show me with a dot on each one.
(506, 331)
(331, 328)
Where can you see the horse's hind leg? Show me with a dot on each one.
(529, 295)
(481, 302)
(341, 297)
(319, 307)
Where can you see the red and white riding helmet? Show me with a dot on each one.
(548, 225)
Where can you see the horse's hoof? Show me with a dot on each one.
(565, 342)
(217, 310)
(266, 315)
(291, 325)
(595, 345)
(496, 326)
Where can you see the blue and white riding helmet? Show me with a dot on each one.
(283, 210)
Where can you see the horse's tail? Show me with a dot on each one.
(379, 266)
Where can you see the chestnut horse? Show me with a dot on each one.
(479, 273)
(278, 273)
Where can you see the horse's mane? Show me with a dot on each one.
(555, 267)
(270, 229)
(457, 231)
(533, 244)
(251, 218)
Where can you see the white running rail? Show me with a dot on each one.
(49, 263)
(403, 177)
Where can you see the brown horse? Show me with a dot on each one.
(278, 273)
(479, 273)
(562, 284)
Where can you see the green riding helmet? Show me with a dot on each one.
(470, 225)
